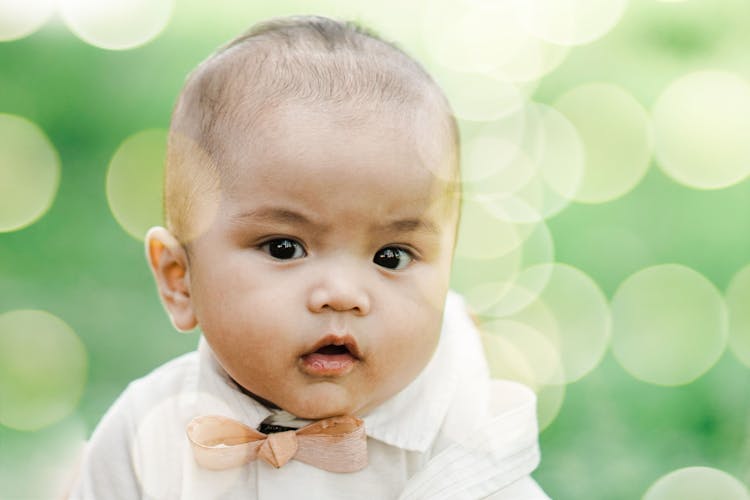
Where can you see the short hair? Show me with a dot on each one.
(300, 60)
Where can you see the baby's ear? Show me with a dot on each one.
(169, 263)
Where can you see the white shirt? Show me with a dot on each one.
(452, 433)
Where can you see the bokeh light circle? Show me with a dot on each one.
(470, 36)
(697, 483)
(29, 172)
(701, 124)
(20, 18)
(669, 325)
(554, 154)
(492, 284)
(571, 310)
(494, 166)
(512, 194)
(484, 281)
(116, 24)
(43, 367)
(490, 147)
(558, 152)
(524, 287)
(517, 351)
(570, 22)
(617, 138)
(480, 97)
(550, 399)
(135, 180)
(526, 168)
(738, 305)
(482, 235)
(534, 59)
(159, 475)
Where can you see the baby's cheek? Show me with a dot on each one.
(409, 355)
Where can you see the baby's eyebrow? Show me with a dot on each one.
(273, 214)
(411, 225)
(286, 216)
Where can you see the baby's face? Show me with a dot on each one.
(320, 285)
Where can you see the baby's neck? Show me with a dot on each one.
(279, 420)
(264, 402)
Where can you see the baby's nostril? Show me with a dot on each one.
(333, 349)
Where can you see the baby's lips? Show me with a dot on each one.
(331, 356)
(347, 341)
(320, 364)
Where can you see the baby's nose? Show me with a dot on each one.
(339, 290)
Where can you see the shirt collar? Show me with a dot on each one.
(410, 420)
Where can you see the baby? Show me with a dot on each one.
(312, 202)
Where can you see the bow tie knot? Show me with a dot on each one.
(278, 448)
(336, 444)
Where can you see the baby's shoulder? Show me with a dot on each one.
(166, 382)
(142, 432)
(168, 378)
(487, 445)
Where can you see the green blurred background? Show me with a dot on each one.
(653, 368)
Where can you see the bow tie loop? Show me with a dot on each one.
(336, 444)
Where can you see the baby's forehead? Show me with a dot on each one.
(229, 105)
(312, 157)
(360, 75)
(304, 136)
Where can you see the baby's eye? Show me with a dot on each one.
(393, 258)
(284, 249)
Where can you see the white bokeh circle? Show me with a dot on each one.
(697, 483)
(558, 151)
(500, 284)
(617, 138)
(738, 300)
(549, 402)
(116, 24)
(534, 59)
(482, 235)
(160, 450)
(553, 152)
(569, 308)
(20, 18)
(471, 37)
(43, 369)
(570, 22)
(669, 325)
(135, 181)
(29, 172)
(480, 97)
(518, 351)
(526, 168)
(700, 128)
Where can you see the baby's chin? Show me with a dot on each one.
(322, 401)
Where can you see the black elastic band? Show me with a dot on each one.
(272, 428)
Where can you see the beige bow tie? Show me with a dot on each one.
(336, 444)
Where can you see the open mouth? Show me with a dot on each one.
(335, 345)
(332, 349)
(331, 356)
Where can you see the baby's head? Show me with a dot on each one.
(312, 202)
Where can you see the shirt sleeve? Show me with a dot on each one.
(107, 468)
